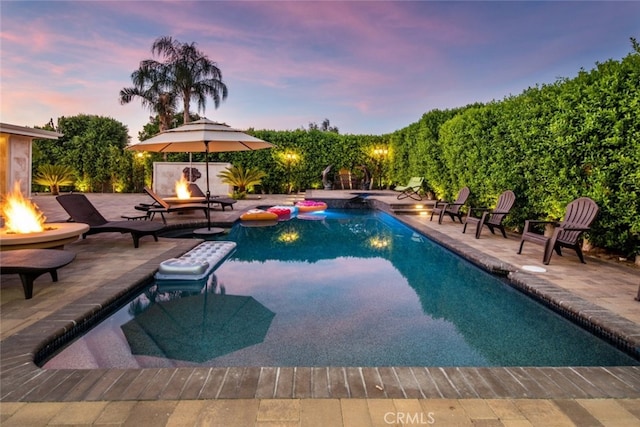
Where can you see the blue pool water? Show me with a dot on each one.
(340, 288)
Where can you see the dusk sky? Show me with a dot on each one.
(369, 67)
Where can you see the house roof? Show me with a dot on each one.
(26, 131)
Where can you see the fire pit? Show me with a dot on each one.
(55, 235)
(25, 227)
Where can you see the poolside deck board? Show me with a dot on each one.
(480, 383)
(533, 386)
(302, 383)
(390, 384)
(284, 385)
(248, 383)
(567, 387)
(89, 379)
(427, 383)
(121, 385)
(357, 387)
(157, 385)
(174, 387)
(320, 383)
(195, 383)
(213, 384)
(266, 383)
(139, 383)
(338, 383)
(231, 382)
(372, 383)
(409, 383)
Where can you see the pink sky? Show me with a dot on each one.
(369, 67)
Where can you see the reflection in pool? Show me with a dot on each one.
(349, 288)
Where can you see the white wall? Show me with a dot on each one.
(165, 175)
(20, 163)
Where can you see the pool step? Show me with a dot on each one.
(413, 208)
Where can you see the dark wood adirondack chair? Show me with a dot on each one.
(492, 218)
(578, 217)
(451, 208)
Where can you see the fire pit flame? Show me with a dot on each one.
(182, 189)
(20, 215)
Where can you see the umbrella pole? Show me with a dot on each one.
(207, 231)
(206, 162)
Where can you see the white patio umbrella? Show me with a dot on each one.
(201, 136)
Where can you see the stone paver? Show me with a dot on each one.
(300, 396)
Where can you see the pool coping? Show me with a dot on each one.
(23, 381)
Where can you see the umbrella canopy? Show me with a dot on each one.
(198, 328)
(201, 136)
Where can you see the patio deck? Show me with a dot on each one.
(600, 290)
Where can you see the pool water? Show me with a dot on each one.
(338, 288)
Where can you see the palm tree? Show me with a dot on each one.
(147, 87)
(54, 176)
(186, 72)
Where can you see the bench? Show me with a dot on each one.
(32, 263)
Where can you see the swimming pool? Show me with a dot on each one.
(353, 288)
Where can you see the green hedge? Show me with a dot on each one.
(550, 144)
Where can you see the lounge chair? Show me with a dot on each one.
(162, 207)
(492, 218)
(412, 189)
(224, 202)
(80, 209)
(578, 217)
(453, 209)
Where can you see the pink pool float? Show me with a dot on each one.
(311, 206)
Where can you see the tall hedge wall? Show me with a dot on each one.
(550, 144)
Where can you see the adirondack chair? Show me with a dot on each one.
(492, 218)
(451, 208)
(410, 190)
(578, 217)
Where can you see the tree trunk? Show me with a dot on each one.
(185, 114)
